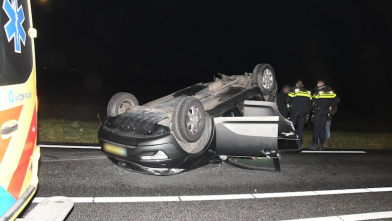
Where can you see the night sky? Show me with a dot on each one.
(88, 50)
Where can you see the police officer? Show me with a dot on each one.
(281, 101)
(324, 99)
(299, 100)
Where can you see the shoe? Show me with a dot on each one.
(299, 143)
(321, 146)
(313, 147)
(328, 142)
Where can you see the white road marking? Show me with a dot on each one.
(136, 199)
(332, 151)
(219, 197)
(367, 216)
(347, 191)
(73, 159)
(74, 199)
(70, 146)
(327, 218)
(216, 197)
(380, 189)
(351, 217)
(288, 194)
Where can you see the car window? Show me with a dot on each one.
(15, 44)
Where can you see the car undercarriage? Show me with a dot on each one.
(233, 116)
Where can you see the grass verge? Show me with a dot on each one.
(354, 140)
(68, 131)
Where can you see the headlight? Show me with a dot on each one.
(159, 155)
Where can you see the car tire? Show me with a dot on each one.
(264, 77)
(120, 102)
(273, 96)
(188, 119)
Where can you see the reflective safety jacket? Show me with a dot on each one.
(299, 100)
(324, 98)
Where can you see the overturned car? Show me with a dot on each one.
(233, 119)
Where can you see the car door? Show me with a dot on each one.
(247, 136)
(260, 132)
(287, 135)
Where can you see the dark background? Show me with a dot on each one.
(88, 50)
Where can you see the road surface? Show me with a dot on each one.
(103, 191)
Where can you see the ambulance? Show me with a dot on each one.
(19, 153)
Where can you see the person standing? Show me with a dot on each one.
(323, 101)
(299, 100)
(328, 127)
(281, 101)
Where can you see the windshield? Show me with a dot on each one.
(15, 44)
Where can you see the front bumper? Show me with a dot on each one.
(136, 141)
(132, 157)
(143, 169)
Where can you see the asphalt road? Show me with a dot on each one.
(87, 173)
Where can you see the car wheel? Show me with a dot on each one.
(120, 102)
(264, 77)
(188, 119)
(273, 96)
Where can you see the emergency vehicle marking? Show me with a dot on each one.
(5, 116)
(17, 180)
(18, 96)
(7, 200)
(14, 28)
(11, 96)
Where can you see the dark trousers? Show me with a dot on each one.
(298, 119)
(283, 111)
(319, 121)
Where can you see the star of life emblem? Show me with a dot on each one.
(13, 28)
